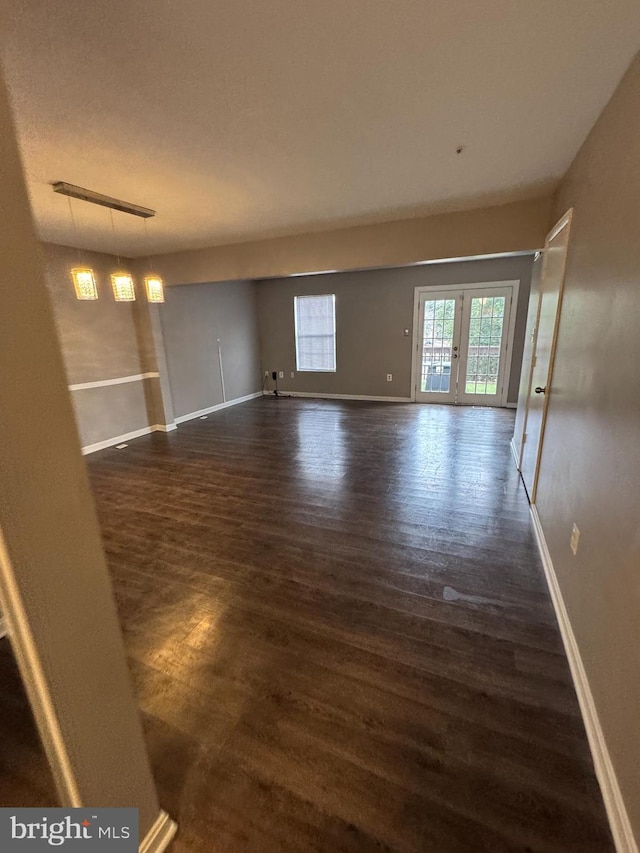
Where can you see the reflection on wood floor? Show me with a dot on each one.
(25, 779)
(340, 634)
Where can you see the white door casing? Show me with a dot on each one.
(520, 426)
(546, 335)
(457, 390)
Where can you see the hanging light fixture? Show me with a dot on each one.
(154, 287)
(152, 281)
(123, 287)
(83, 277)
(121, 281)
(84, 283)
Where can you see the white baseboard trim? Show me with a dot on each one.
(182, 418)
(121, 380)
(511, 405)
(127, 436)
(514, 452)
(117, 439)
(611, 794)
(160, 835)
(348, 397)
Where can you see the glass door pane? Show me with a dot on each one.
(438, 348)
(485, 323)
(485, 339)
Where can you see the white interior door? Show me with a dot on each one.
(551, 289)
(520, 426)
(439, 320)
(483, 354)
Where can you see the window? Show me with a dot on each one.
(315, 318)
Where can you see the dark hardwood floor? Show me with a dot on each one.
(340, 634)
(25, 778)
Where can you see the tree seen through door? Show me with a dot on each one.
(463, 345)
(485, 341)
(437, 345)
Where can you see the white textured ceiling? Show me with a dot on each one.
(242, 119)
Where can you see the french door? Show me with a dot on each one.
(462, 340)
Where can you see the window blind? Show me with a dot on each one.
(315, 318)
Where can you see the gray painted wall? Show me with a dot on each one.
(99, 340)
(193, 318)
(107, 340)
(104, 413)
(373, 307)
(590, 467)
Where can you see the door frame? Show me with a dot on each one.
(564, 222)
(531, 332)
(472, 285)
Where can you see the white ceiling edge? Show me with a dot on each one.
(430, 262)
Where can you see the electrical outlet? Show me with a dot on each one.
(575, 539)
(293, 376)
(389, 377)
(266, 374)
(406, 333)
(281, 374)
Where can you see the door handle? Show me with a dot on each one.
(540, 390)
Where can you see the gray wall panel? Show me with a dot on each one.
(373, 308)
(194, 317)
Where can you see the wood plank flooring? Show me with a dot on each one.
(25, 778)
(340, 634)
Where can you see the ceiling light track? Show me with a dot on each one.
(104, 200)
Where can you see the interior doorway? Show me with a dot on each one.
(463, 339)
(542, 330)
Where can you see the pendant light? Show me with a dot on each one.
(154, 287)
(83, 277)
(153, 284)
(84, 283)
(123, 287)
(121, 281)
